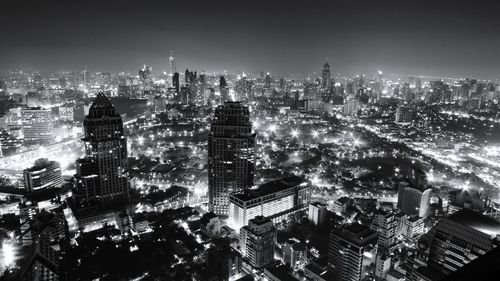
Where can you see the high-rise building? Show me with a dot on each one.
(44, 174)
(460, 239)
(275, 199)
(37, 124)
(42, 262)
(404, 114)
(351, 248)
(385, 224)
(146, 75)
(175, 82)
(326, 75)
(413, 201)
(351, 106)
(382, 264)
(257, 241)
(317, 213)
(409, 227)
(294, 253)
(172, 66)
(231, 155)
(102, 175)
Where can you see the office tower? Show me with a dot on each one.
(145, 74)
(351, 248)
(257, 241)
(42, 262)
(231, 155)
(294, 253)
(413, 201)
(44, 174)
(175, 82)
(267, 81)
(409, 227)
(224, 91)
(340, 205)
(351, 106)
(102, 175)
(460, 239)
(326, 75)
(275, 200)
(404, 114)
(159, 104)
(382, 264)
(317, 213)
(172, 66)
(37, 124)
(484, 268)
(385, 224)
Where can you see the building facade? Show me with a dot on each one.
(350, 247)
(44, 174)
(275, 199)
(37, 124)
(102, 175)
(257, 241)
(231, 155)
(460, 239)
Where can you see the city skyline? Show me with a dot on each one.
(445, 39)
(249, 141)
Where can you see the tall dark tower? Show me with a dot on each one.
(102, 174)
(326, 75)
(231, 155)
(175, 82)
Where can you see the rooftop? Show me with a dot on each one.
(270, 187)
(476, 221)
(356, 233)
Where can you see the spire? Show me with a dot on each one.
(101, 106)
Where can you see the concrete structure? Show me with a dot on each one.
(460, 239)
(44, 174)
(409, 227)
(275, 199)
(317, 213)
(351, 250)
(385, 224)
(231, 155)
(37, 124)
(413, 201)
(294, 253)
(257, 241)
(102, 175)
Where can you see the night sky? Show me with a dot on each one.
(435, 38)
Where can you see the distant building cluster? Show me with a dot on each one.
(193, 175)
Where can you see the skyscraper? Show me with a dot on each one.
(349, 248)
(414, 201)
(171, 61)
(257, 241)
(326, 75)
(102, 174)
(37, 124)
(231, 155)
(461, 238)
(175, 82)
(385, 224)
